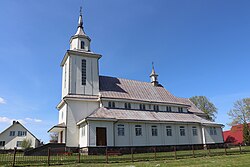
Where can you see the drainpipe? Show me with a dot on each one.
(203, 136)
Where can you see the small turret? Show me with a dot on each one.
(153, 76)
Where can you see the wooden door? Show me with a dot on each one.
(61, 137)
(101, 137)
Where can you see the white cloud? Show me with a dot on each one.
(33, 120)
(2, 101)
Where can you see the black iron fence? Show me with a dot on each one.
(58, 156)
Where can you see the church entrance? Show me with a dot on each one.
(101, 136)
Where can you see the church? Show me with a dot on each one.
(97, 111)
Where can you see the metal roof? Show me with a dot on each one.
(139, 115)
(111, 87)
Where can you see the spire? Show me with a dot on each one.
(80, 30)
(153, 76)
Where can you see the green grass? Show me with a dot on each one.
(214, 157)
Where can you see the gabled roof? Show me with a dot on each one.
(18, 123)
(139, 115)
(117, 88)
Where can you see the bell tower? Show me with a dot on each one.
(80, 65)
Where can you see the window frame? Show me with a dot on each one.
(154, 130)
(169, 131)
(194, 131)
(82, 45)
(2, 143)
(19, 143)
(120, 130)
(138, 130)
(182, 131)
(84, 72)
(12, 133)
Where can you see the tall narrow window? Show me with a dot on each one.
(82, 44)
(169, 130)
(156, 107)
(215, 132)
(211, 131)
(182, 131)
(113, 104)
(138, 130)
(194, 129)
(65, 74)
(120, 129)
(83, 72)
(110, 104)
(127, 106)
(83, 131)
(154, 131)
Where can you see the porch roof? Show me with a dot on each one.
(58, 127)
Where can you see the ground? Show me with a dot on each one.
(218, 161)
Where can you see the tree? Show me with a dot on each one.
(53, 137)
(240, 114)
(26, 143)
(203, 103)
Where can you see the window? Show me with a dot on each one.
(65, 74)
(110, 104)
(18, 143)
(215, 132)
(168, 108)
(142, 107)
(21, 133)
(182, 131)
(113, 104)
(180, 109)
(121, 130)
(2, 143)
(154, 131)
(149, 106)
(211, 131)
(138, 130)
(169, 130)
(12, 133)
(127, 106)
(194, 129)
(83, 72)
(156, 108)
(82, 44)
(62, 115)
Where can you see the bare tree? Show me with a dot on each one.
(240, 114)
(203, 103)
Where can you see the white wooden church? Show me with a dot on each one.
(108, 111)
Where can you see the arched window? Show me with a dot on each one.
(82, 44)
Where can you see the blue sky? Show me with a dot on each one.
(198, 47)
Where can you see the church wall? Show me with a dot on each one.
(62, 114)
(83, 133)
(213, 138)
(65, 78)
(109, 130)
(122, 140)
(92, 77)
(77, 110)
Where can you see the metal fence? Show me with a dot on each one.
(59, 156)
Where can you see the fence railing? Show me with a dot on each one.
(58, 156)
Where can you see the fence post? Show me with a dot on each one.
(175, 155)
(193, 151)
(14, 158)
(48, 156)
(79, 155)
(225, 149)
(107, 158)
(155, 152)
(132, 155)
(240, 149)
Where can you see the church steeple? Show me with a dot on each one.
(153, 76)
(80, 41)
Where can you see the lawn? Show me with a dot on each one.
(218, 161)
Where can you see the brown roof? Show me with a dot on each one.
(111, 87)
(138, 115)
